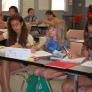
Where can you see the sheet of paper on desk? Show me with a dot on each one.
(75, 60)
(41, 54)
(3, 30)
(17, 53)
(87, 64)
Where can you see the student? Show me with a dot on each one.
(31, 18)
(87, 51)
(50, 44)
(51, 19)
(17, 36)
(12, 12)
(49, 40)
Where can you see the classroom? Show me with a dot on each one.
(45, 45)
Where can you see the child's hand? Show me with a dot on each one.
(16, 45)
(33, 49)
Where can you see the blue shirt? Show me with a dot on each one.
(52, 45)
(28, 17)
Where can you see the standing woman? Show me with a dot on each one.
(17, 36)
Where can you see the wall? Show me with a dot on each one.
(25, 4)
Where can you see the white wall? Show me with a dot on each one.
(27, 4)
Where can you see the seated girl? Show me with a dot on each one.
(50, 44)
(87, 51)
(49, 41)
(17, 36)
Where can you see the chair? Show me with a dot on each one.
(75, 34)
(75, 47)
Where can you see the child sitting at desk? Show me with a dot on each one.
(87, 51)
(50, 44)
(17, 36)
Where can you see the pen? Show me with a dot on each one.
(68, 53)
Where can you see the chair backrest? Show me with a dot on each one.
(75, 34)
(75, 47)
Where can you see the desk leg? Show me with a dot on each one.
(75, 83)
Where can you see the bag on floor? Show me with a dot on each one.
(37, 84)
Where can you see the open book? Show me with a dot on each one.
(17, 53)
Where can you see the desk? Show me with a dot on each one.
(77, 70)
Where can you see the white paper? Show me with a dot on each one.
(17, 53)
(75, 60)
(40, 54)
(3, 30)
(87, 64)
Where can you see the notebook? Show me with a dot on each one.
(17, 53)
(75, 60)
(59, 64)
(87, 64)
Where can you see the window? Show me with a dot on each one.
(7, 3)
(58, 5)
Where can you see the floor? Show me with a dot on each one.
(17, 81)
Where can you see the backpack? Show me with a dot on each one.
(37, 84)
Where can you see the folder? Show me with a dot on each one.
(60, 64)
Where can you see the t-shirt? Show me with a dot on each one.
(28, 17)
(30, 40)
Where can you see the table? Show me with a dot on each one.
(77, 70)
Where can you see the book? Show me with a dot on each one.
(74, 60)
(59, 64)
(17, 53)
(87, 64)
